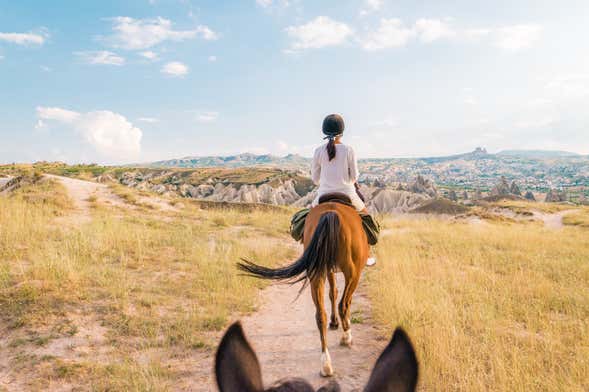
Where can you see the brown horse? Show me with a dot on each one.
(237, 368)
(334, 240)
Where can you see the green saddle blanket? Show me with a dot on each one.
(370, 225)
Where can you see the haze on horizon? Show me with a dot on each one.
(146, 80)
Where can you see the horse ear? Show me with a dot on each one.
(396, 369)
(236, 365)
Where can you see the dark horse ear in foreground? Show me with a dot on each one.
(237, 368)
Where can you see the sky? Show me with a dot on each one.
(141, 80)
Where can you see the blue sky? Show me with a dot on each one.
(140, 80)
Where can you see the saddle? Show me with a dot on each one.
(371, 226)
(336, 197)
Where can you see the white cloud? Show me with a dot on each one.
(207, 117)
(1, 57)
(385, 124)
(100, 57)
(212, 59)
(271, 3)
(430, 30)
(23, 38)
(175, 68)
(470, 100)
(517, 37)
(569, 86)
(150, 120)
(57, 114)
(318, 33)
(148, 54)
(371, 6)
(391, 33)
(134, 34)
(395, 33)
(206, 33)
(45, 68)
(264, 3)
(536, 122)
(108, 132)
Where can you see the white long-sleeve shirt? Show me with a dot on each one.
(337, 175)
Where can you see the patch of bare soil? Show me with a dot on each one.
(83, 193)
(284, 334)
(74, 338)
(552, 221)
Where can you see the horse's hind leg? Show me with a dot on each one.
(317, 287)
(344, 308)
(333, 324)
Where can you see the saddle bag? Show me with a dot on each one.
(370, 225)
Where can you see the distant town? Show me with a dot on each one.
(535, 171)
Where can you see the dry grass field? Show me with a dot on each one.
(133, 298)
(490, 305)
(578, 218)
(111, 302)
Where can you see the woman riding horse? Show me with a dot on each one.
(334, 239)
(335, 169)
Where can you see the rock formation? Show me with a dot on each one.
(514, 189)
(274, 187)
(530, 196)
(501, 189)
(423, 186)
(555, 196)
(389, 200)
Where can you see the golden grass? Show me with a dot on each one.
(498, 305)
(140, 280)
(579, 218)
(490, 306)
(522, 206)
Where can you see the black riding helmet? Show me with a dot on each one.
(333, 125)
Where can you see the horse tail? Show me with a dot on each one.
(318, 258)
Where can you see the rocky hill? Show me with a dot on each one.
(240, 160)
(536, 171)
(247, 185)
(261, 185)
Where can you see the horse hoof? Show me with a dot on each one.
(326, 372)
(346, 339)
(333, 325)
(326, 368)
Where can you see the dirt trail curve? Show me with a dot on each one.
(552, 221)
(80, 192)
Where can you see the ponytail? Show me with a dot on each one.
(331, 148)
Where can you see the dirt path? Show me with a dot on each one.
(81, 192)
(552, 221)
(286, 339)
